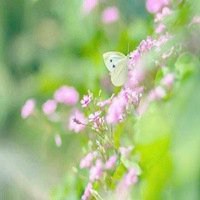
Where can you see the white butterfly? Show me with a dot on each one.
(116, 63)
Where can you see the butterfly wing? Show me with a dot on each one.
(112, 58)
(120, 73)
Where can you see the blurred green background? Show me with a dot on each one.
(47, 43)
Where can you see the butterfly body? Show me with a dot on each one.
(116, 63)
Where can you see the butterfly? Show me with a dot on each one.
(117, 64)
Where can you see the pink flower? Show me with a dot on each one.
(154, 6)
(110, 15)
(49, 107)
(131, 177)
(96, 171)
(77, 121)
(67, 95)
(110, 163)
(168, 80)
(105, 102)
(94, 116)
(157, 93)
(125, 151)
(58, 140)
(87, 192)
(28, 108)
(161, 15)
(160, 28)
(116, 110)
(86, 100)
(89, 5)
(86, 162)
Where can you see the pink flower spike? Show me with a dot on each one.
(86, 100)
(66, 95)
(58, 140)
(49, 107)
(89, 5)
(77, 122)
(28, 108)
(110, 163)
(87, 192)
(110, 15)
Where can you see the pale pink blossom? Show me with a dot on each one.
(154, 6)
(94, 116)
(110, 15)
(125, 151)
(160, 28)
(87, 192)
(28, 108)
(89, 5)
(110, 163)
(49, 107)
(116, 109)
(66, 95)
(86, 162)
(157, 93)
(77, 121)
(101, 104)
(96, 171)
(161, 15)
(86, 100)
(131, 177)
(168, 80)
(58, 140)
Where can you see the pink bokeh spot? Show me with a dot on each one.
(66, 95)
(110, 15)
(154, 6)
(28, 108)
(89, 5)
(49, 107)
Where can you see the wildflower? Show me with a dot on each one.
(49, 107)
(125, 151)
(105, 102)
(110, 15)
(116, 109)
(86, 162)
(58, 140)
(157, 93)
(160, 28)
(96, 171)
(77, 121)
(86, 100)
(89, 5)
(66, 95)
(110, 163)
(87, 192)
(28, 108)
(154, 6)
(94, 117)
(131, 177)
(168, 80)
